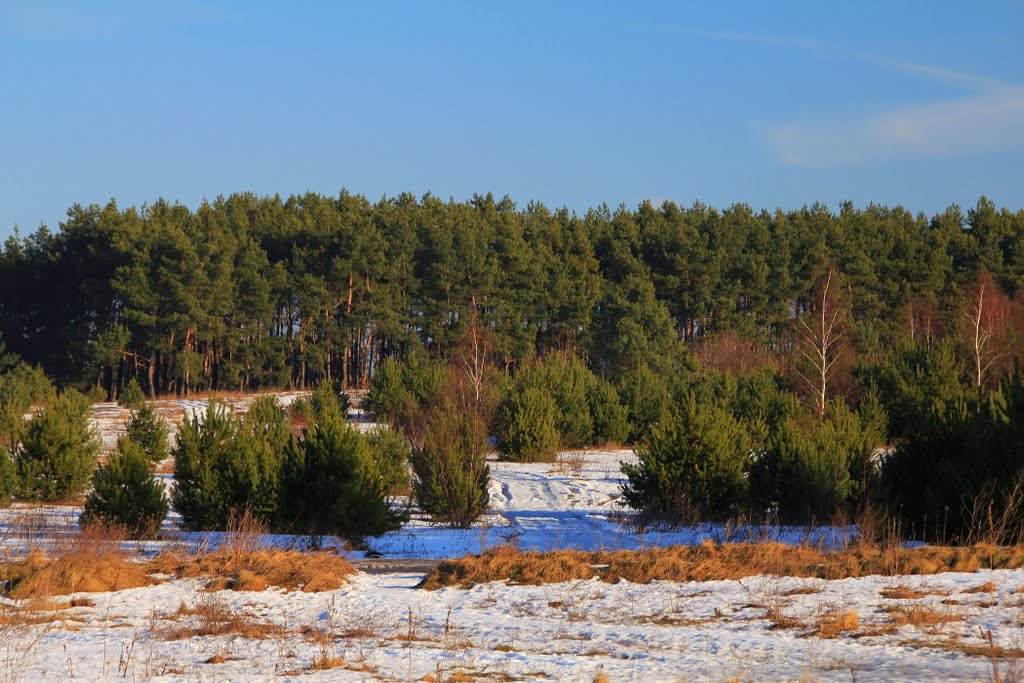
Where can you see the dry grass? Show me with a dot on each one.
(93, 561)
(244, 562)
(921, 616)
(903, 592)
(989, 587)
(710, 562)
(309, 572)
(212, 617)
(88, 562)
(835, 622)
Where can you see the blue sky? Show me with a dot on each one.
(775, 104)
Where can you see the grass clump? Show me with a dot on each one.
(835, 622)
(246, 562)
(89, 562)
(712, 562)
(210, 616)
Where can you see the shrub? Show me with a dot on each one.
(647, 400)
(8, 477)
(390, 453)
(125, 493)
(222, 465)
(131, 395)
(568, 381)
(20, 387)
(812, 472)
(610, 417)
(150, 433)
(526, 427)
(400, 390)
(695, 465)
(450, 472)
(387, 393)
(330, 485)
(96, 394)
(957, 475)
(57, 451)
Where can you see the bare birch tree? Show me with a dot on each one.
(819, 334)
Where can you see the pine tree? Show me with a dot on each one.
(390, 453)
(526, 426)
(125, 493)
(609, 416)
(450, 471)
(132, 396)
(330, 485)
(58, 449)
(150, 433)
(694, 467)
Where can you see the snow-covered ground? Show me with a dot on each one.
(387, 629)
(381, 627)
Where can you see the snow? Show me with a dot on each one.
(385, 628)
(570, 631)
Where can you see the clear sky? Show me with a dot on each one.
(919, 103)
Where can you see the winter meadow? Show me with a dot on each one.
(452, 341)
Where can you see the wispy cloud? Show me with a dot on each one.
(990, 116)
(988, 120)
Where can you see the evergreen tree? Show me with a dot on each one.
(125, 493)
(609, 416)
(224, 465)
(450, 471)
(694, 467)
(150, 433)
(57, 451)
(390, 453)
(331, 485)
(526, 426)
(132, 396)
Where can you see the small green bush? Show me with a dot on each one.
(20, 387)
(8, 477)
(96, 394)
(224, 465)
(58, 449)
(390, 453)
(331, 485)
(450, 471)
(125, 493)
(694, 467)
(149, 432)
(526, 427)
(647, 399)
(131, 395)
(609, 415)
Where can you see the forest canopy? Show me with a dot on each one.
(249, 292)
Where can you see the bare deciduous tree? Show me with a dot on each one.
(987, 313)
(819, 334)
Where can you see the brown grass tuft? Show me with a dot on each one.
(90, 561)
(902, 592)
(709, 561)
(309, 572)
(834, 622)
(213, 617)
(245, 562)
(921, 615)
(989, 587)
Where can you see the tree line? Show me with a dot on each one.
(248, 292)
